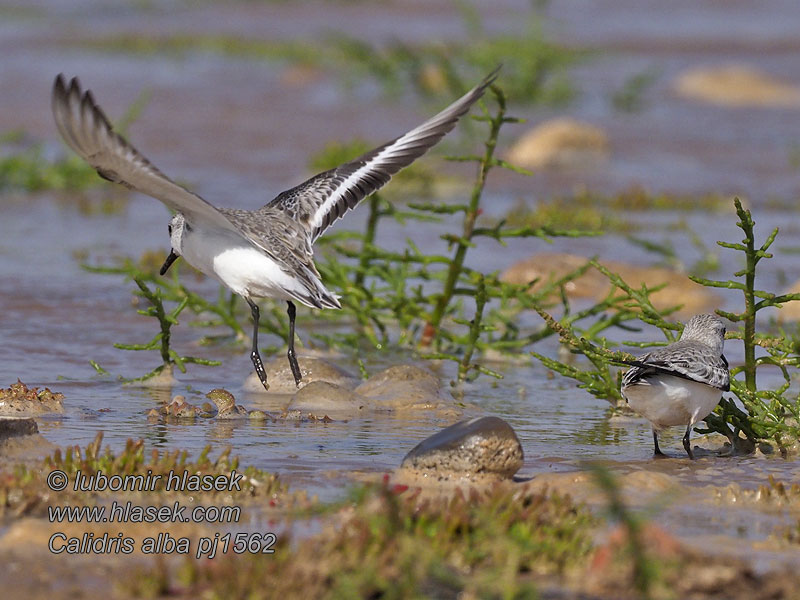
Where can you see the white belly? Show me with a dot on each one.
(238, 265)
(669, 400)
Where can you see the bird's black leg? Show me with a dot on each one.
(686, 443)
(292, 358)
(656, 450)
(254, 355)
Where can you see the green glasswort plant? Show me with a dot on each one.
(161, 340)
(768, 413)
(388, 542)
(435, 302)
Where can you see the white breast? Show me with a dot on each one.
(667, 400)
(238, 265)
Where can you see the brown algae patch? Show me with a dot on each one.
(20, 399)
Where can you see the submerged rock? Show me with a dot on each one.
(20, 399)
(736, 85)
(560, 143)
(680, 290)
(323, 397)
(402, 387)
(281, 380)
(17, 426)
(395, 388)
(480, 446)
(163, 380)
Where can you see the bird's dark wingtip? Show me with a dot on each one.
(59, 87)
(630, 363)
(493, 75)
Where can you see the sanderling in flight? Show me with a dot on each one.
(264, 253)
(680, 384)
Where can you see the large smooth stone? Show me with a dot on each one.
(402, 386)
(560, 143)
(680, 290)
(736, 85)
(480, 446)
(281, 380)
(324, 398)
(790, 311)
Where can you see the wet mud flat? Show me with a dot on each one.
(736, 511)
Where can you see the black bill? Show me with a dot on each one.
(168, 262)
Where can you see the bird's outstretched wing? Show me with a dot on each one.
(686, 359)
(321, 200)
(87, 130)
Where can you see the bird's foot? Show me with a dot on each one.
(687, 443)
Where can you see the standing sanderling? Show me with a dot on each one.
(680, 383)
(265, 253)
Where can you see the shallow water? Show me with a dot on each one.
(239, 134)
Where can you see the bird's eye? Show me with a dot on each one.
(169, 228)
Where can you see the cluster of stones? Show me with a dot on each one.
(222, 406)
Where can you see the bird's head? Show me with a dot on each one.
(708, 329)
